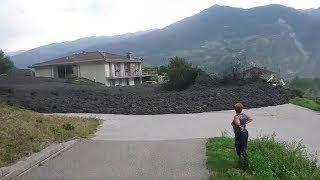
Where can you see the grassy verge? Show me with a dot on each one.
(309, 87)
(307, 103)
(267, 159)
(23, 132)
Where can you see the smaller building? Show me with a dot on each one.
(255, 72)
(106, 68)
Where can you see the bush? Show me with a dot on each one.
(56, 131)
(317, 100)
(180, 79)
(68, 127)
(297, 92)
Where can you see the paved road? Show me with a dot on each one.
(289, 122)
(169, 146)
(96, 159)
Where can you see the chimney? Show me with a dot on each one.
(130, 55)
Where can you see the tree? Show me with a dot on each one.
(180, 63)
(181, 73)
(150, 69)
(163, 70)
(5, 63)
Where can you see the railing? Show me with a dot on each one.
(125, 75)
(149, 73)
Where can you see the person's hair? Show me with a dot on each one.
(238, 107)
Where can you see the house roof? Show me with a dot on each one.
(87, 57)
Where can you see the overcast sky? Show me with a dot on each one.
(26, 24)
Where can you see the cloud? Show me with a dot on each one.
(30, 23)
(92, 8)
(27, 24)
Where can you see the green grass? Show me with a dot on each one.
(24, 132)
(307, 103)
(307, 87)
(305, 83)
(267, 159)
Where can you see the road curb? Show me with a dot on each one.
(34, 160)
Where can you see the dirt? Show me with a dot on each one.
(48, 95)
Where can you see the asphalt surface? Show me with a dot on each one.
(289, 122)
(170, 146)
(96, 159)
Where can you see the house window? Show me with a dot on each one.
(127, 69)
(117, 69)
(137, 69)
(137, 72)
(117, 72)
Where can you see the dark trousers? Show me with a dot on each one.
(241, 141)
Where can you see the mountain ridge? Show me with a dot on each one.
(58, 49)
(280, 38)
(13, 53)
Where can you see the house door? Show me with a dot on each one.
(112, 82)
(64, 71)
(136, 80)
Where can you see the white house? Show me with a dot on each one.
(109, 69)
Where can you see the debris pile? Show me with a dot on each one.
(205, 94)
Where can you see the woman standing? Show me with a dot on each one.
(239, 123)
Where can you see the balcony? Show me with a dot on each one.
(129, 75)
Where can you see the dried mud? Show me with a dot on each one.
(56, 96)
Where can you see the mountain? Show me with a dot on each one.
(280, 38)
(313, 11)
(13, 53)
(55, 50)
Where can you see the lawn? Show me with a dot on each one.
(308, 87)
(307, 103)
(24, 132)
(267, 159)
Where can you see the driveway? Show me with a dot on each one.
(170, 146)
(97, 159)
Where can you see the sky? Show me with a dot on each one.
(26, 24)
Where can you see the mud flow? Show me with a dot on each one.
(48, 95)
